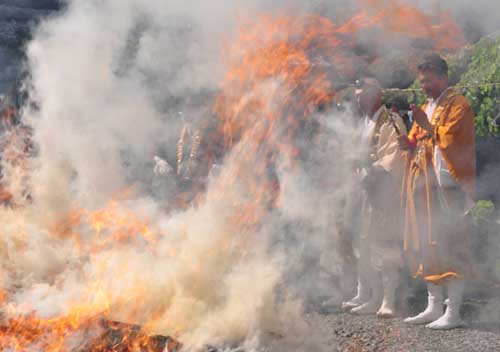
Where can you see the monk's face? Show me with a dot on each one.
(367, 98)
(432, 83)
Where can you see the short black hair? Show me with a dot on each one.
(434, 63)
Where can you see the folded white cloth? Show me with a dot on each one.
(162, 166)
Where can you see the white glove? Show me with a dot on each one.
(162, 167)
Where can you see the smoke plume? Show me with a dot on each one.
(111, 83)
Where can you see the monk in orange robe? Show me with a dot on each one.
(438, 190)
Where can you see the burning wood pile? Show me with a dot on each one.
(110, 336)
(178, 275)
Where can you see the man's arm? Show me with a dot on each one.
(390, 156)
(455, 137)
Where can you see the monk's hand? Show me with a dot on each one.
(404, 143)
(420, 117)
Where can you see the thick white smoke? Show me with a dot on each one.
(106, 77)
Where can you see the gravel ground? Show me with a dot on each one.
(350, 333)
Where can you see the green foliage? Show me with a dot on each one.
(484, 68)
(483, 211)
(417, 97)
(395, 98)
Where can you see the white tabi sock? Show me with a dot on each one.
(434, 307)
(451, 318)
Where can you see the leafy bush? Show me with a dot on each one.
(483, 211)
(484, 68)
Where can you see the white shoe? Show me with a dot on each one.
(362, 296)
(390, 282)
(350, 305)
(373, 305)
(451, 318)
(386, 311)
(434, 307)
(370, 307)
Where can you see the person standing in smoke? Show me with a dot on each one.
(198, 151)
(380, 174)
(438, 189)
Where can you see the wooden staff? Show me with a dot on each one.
(393, 123)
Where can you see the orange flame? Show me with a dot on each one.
(306, 54)
(93, 232)
(395, 17)
(113, 225)
(74, 333)
(52, 335)
(280, 69)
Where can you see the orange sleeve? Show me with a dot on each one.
(415, 129)
(455, 137)
(412, 135)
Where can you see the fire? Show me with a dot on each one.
(86, 325)
(306, 56)
(50, 335)
(394, 17)
(280, 70)
(109, 226)
(82, 335)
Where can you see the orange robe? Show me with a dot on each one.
(436, 231)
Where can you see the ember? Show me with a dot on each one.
(121, 337)
(108, 336)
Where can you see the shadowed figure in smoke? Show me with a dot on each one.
(379, 173)
(199, 151)
(439, 187)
